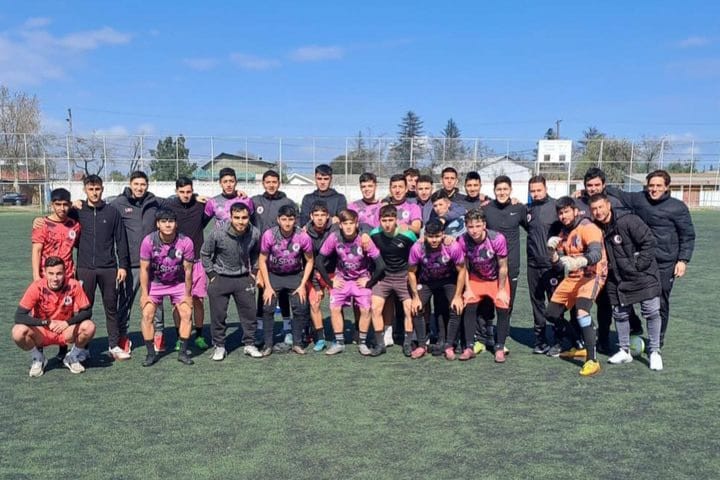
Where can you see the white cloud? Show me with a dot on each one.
(37, 22)
(316, 53)
(115, 130)
(251, 62)
(200, 64)
(694, 41)
(31, 55)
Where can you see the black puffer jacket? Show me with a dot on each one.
(138, 216)
(633, 271)
(670, 222)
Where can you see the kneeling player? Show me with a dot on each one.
(54, 311)
(486, 254)
(579, 250)
(352, 282)
(166, 268)
(441, 275)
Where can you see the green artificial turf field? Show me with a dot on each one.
(353, 417)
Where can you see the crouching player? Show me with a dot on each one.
(580, 252)
(633, 276)
(441, 275)
(54, 311)
(166, 270)
(486, 257)
(352, 282)
(286, 262)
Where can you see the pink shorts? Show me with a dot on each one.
(343, 297)
(199, 281)
(159, 291)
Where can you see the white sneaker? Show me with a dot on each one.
(656, 362)
(119, 354)
(622, 356)
(72, 362)
(219, 354)
(253, 351)
(364, 349)
(388, 337)
(288, 339)
(37, 367)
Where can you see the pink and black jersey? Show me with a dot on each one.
(368, 214)
(407, 213)
(166, 259)
(285, 254)
(219, 207)
(436, 265)
(352, 262)
(482, 258)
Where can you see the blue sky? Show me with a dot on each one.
(505, 69)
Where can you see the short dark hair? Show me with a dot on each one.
(324, 169)
(475, 214)
(537, 179)
(597, 197)
(398, 177)
(448, 170)
(348, 214)
(439, 195)
(594, 172)
(659, 173)
(60, 195)
(227, 172)
(165, 214)
(238, 207)
(139, 174)
(53, 261)
(388, 211)
(92, 180)
(411, 172)
(425, 179)
(564, 202)
(287, 211)
(319, 206)
(183, 182)
(270, 173)
(502, 179)
(473, 176)
(368, 177)
(434, 226)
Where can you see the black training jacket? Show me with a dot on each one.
(103, 242)
(266, 209)
(670, 222)
(507, 219)
(335, 203)
(633, 274)
(138, 216)
(542, 223)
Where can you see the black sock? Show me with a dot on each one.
(183, 346)
(408, 337)
(589, 337)
(198, 332)
(363, 338)
(379, 338)
(320, 333)
(340, 338)
(177, 332)
(150, 345)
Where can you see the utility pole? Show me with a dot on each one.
(70, 139)
(557, 129)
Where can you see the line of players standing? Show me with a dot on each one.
(296, 266)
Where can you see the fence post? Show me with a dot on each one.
(475, 151)
(692, 164)
(313, 151)
(212, 159)
(280, 159)
(177, 158)
(105, 164)
(67, 150)
(142, 147)
(412, 144)
(347, 159)
(632, 155)
(600, 155)
(247, 168)
(662, 153)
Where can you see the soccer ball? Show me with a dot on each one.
(637, 345)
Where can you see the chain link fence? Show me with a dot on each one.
(30, 164)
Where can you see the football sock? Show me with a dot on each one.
(363, 338)
(150, 345)
(198, 331)
(340, 338)
(503, 326)
(183, 345)
(379, 337)
(320, 333)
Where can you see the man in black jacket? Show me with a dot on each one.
(103, 260)
(336, 202)
(670, 221)
(137, 207)
(542, 223)
(633, 276)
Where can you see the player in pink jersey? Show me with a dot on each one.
(368, 207)
(353, 279)
(218, 207)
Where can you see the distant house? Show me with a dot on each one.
(504, 165)
(298, 179)
(695, 189)
(247, 168)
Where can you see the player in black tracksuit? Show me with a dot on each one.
(542, 223)
(319, 228)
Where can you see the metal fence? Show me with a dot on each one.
(28, 162)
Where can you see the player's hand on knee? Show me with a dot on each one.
(268, 295)
(301, 292)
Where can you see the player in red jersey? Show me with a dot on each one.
(56, 237)
(54, 311)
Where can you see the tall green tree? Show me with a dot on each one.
(171, 159)
(410, 148)
(449, 149)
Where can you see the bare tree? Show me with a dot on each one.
(19, 125)
(89, 155)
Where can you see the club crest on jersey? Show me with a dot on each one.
(128, 209)
(554, 282)
(405, 214)
(260, 209)
(67, 300)
(72, 234)
(178, 254)
(617, 239)
(444, 259)
(295, 247)
(357, 250)
(529, 218)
